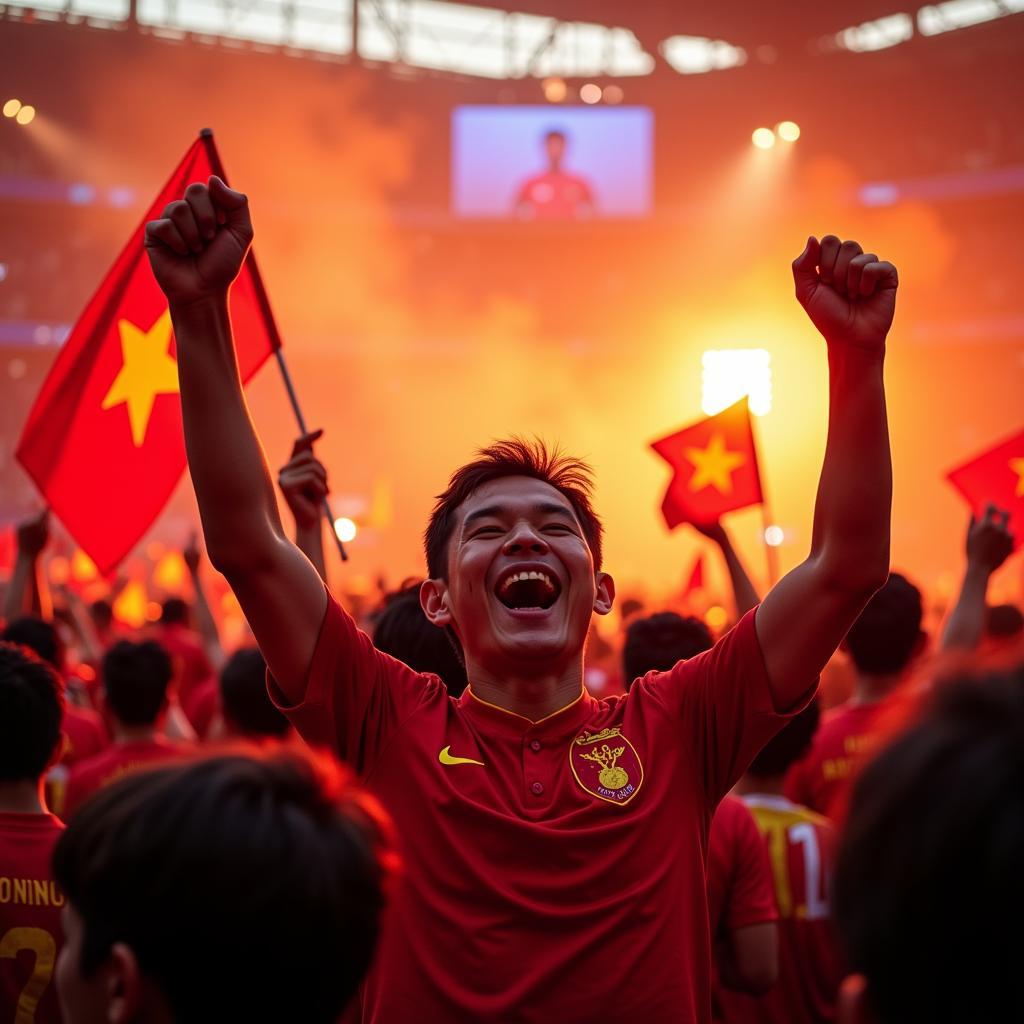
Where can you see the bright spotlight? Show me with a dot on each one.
(11, 107)
(763, 138)
(590, 93)
(730, 373)
(788, 131)
(25, 114)
(773, 536)
(345, 529)
(555, 89)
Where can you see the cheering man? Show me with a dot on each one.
(554, 843)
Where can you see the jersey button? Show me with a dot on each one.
(537, 788)
(535, 745)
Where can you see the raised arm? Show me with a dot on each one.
(989, 543)
(205, 622)
(27, 593)
(303, 482)
(744, 594)
(850, 296)
(196, 250)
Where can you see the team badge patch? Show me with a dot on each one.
(606, 765)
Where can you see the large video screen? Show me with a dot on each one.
(549, 163)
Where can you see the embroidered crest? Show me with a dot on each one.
(606, 765)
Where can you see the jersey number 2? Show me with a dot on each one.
(41, 943)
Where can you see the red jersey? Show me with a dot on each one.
(740, 889)
(821, 779)
(191, 664)
(555, 195)
(801, 847)
(554, 870)
(117, 760)
(84, 734)
(30, 907)
(203, 706)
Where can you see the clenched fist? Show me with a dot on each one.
(198, 246)
(850, 295)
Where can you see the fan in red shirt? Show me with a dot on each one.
(31, 705)
(135, 681)
(555, 194)
(882, 645)
(801, 846)
(556, 842)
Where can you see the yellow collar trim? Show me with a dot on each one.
(497, 707)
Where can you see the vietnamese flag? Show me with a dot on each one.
(104, 441)
(996, 476)
(715, 463)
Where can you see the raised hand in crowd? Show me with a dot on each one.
(744, 593)
(27, 593)
(303, 482)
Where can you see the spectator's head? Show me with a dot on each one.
(31, 711)
(175, 612)
(403, 631)
(37, 635)
(928, 879)
(514, 553)
(788, 745)
(135, 681)
(657, 642)
(233, 888)
(246, 704)
(887, 635)
(554, 147)
(1003, 623)
(102, 612)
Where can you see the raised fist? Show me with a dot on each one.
(34, 533)
(303, 482)
(989, 540)
(197, 247)
(850, 295)
(192, 555)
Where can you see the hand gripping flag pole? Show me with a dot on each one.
(206, 134)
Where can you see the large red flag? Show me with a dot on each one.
(996, 476)
(715, 463)
(104, 440)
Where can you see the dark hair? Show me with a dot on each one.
(402, 630)
(928, 875)
(655, 643)
(244, 697)
(135, 679)
(37, 635)
(249, 887)
(1003, 621)
(572, 478)
(788, 745)
(886, 634)
(102, 612)
(174, 612)
(31, 711)
(554, 133)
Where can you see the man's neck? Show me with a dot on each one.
(769, 785)
(529, 695)
(25, 797)
(872, 689)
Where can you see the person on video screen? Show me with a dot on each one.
(555, 194)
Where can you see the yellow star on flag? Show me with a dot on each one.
(1017, 465)
(713, 466)
(148, 370)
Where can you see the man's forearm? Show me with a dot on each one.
(226, 462)
(966, 622)
(854, 503)
(743, 591)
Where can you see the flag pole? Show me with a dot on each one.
(206, 134)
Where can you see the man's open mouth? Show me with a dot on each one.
(528, 589)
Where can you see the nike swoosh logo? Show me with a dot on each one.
(446, 758)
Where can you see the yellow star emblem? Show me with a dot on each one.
(1017, 465)
(713, 466)
(148, 370)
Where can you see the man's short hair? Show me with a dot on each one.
(572, 478)
(37, 635)
(402, 630)
(657, 642)
(788, 745)
(174, 612)
(31, 711)
(887, 633)
(244, 697)
(928, 877)
(248, 887)
(554, 133)
(135, 680)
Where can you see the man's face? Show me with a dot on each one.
(521, 585)
(555, 147)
